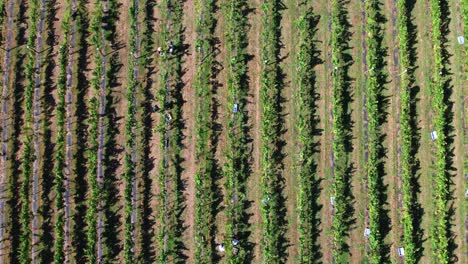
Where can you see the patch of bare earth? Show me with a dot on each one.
(254, 183)
(289, 17)
(324, 105)
(393, 178)
(155, 140)
(189, 117)
(357, 240)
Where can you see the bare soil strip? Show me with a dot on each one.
(253, 185)
(364, 111)
(36, 134)
(323, 163)
(358, 71)
(393, 128)
(364, 114)
(136, 70)
(189, 113)
(423, 75)
(69, 137)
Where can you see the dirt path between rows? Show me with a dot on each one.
(396, 199)
(136, 69)
(254, 182)
(364, 111)
(188, 114)
(101, 143)
(69, 136)
(36, 134)
(329, 112)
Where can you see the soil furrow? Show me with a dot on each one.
(136, 56)
(37, 118)
(101, 140)
(69, 140)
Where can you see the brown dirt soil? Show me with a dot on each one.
(392, 131)
(324, 105)
(423, 73)
(288, 66)
(155, 140)
(188, 115)
(254, 183)
(357, 240)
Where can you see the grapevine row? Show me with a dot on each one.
(93, 155)
(130, 126)
(409, 135)
(60, 152)
(204, 152)
(169, 99)
(442, 235)
(378, 219)
(342, 145)
(236, 169)
(25, 215)
(308, 207)
(271, 130)
(145, 222)
(36, 117)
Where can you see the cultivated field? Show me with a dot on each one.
(233, 131)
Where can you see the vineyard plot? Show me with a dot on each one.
(232, 131)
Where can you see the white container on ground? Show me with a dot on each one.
(401, 251)
(367, 232)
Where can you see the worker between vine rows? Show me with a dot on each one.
(171, 48)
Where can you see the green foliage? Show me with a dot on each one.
(271, 129)
(96, 30)
(408, 135)
(376, 112)
(3, 15)
(203, 85)
(236, 168)
(25, 214)
(309, 250)
(341, 60)
(130, 122)
(170, 81)
(441, 235)
(60, 144)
